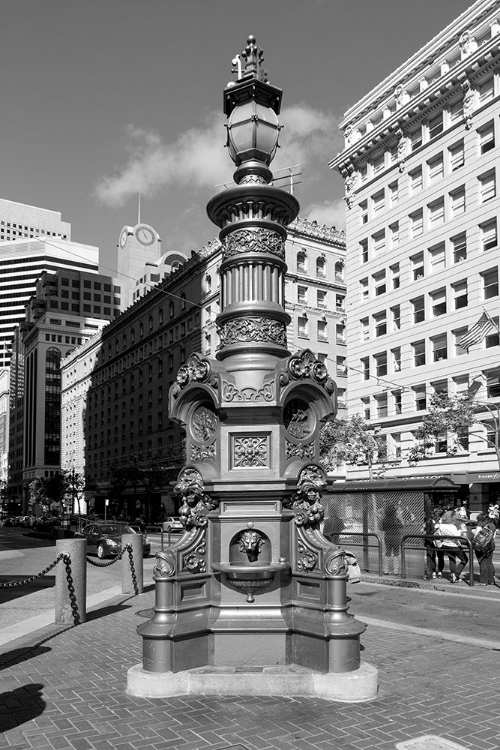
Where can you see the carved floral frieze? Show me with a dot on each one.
(254, 240)
(250, 451)
(249, 330)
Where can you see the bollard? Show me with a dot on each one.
(71, 590)
(137, 555)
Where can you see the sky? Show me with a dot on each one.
(103, 99)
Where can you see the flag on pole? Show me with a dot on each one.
(478, 331)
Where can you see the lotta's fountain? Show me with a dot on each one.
(252, 598)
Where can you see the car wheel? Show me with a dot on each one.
(101, 552)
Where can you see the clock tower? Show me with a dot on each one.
(136, 246)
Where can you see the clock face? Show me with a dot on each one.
(123, 237)
(144, 234)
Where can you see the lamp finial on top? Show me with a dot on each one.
(253, 55)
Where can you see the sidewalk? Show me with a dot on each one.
(65, 689)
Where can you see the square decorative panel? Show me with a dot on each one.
(250, 451)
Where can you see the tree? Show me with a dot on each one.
(356, 443)
(449, 420)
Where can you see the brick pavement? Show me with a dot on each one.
(64, 689)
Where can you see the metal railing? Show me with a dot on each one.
(365, 545)
(461, 542)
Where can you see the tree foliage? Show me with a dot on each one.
(450, 417)
(354, 442)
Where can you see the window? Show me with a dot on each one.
(436, 213)
(321, 298)
(457, 156)
(396, 359)
(395, 444)
(339, 271)
(440, 444)
(365, 408)
(378, 202)
(459, 247)
(461, 386)
(339, 302)
(322, 330)
(416, 223)
(398, 405)
(363, 246)
(416, 180)
(493, 384)
(417, 266)
(420, 396)
(490, 283)
(341, 367)
(490, 434)
(365, 366)
(437, 258)
(379, 283)
(438, 303)
(365, 329)
(457, 201)
(486, 91)
(380, 323)
(378, 163)
(486, 138)
(395, 278)
(381, 401)
(435, 168)
(435, 126)
(460, 294)
(487, 187)
(321, 267)
(302, 295)
(440, 387)
(301, 262)
(378, 240)
(364, 289)
(456, 110)
(418, 309)
(489, 234)
(394, 233)
(418, 353)
(396, 317)
(363, 209)
(380, 364)
(302, 327)
(457, 336)
(416, 138)
(393, 193)
(439, 348)
(340, 333)
(492, 339)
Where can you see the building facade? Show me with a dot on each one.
(421, 165)
(58, 318)
(126, 417)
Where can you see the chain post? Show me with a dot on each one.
(71, 582)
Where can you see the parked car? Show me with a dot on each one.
(171, 523)
(105, 538)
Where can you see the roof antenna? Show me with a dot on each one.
(139, 209)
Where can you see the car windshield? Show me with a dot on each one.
(109, 529)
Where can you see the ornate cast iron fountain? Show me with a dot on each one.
(252, 584)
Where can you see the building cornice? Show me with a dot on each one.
(312, 230)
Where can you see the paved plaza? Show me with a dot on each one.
(65, 689)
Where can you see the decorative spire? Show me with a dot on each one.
(254, 57)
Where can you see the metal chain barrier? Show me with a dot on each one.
(132, 568)
(110, 562)
(15, 584)
(71, 589)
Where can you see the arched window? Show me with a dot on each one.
(339, 271)
(171, 309)
(132, 336)
(160, 316)
(208, 283)
(183, 301)
(150, 322)
(301, 262)
(321, 267)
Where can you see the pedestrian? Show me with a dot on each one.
(434, 547)
(334, 525)
(483, 543)
(448, 527)
(392, 526)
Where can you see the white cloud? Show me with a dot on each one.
(331, 213)
(197, 158)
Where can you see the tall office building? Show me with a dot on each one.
(420, 164)
(20, 221)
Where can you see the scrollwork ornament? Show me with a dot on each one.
(200, 453)
(335, 563)
(195, 561)
(165, 565)
(197, 370)
(307, 562)
(249, 330)
(250, 451)
(305, 365)
(231, 393)
(299, 451)
(305, 501)
(257, 240)
(196, 503)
